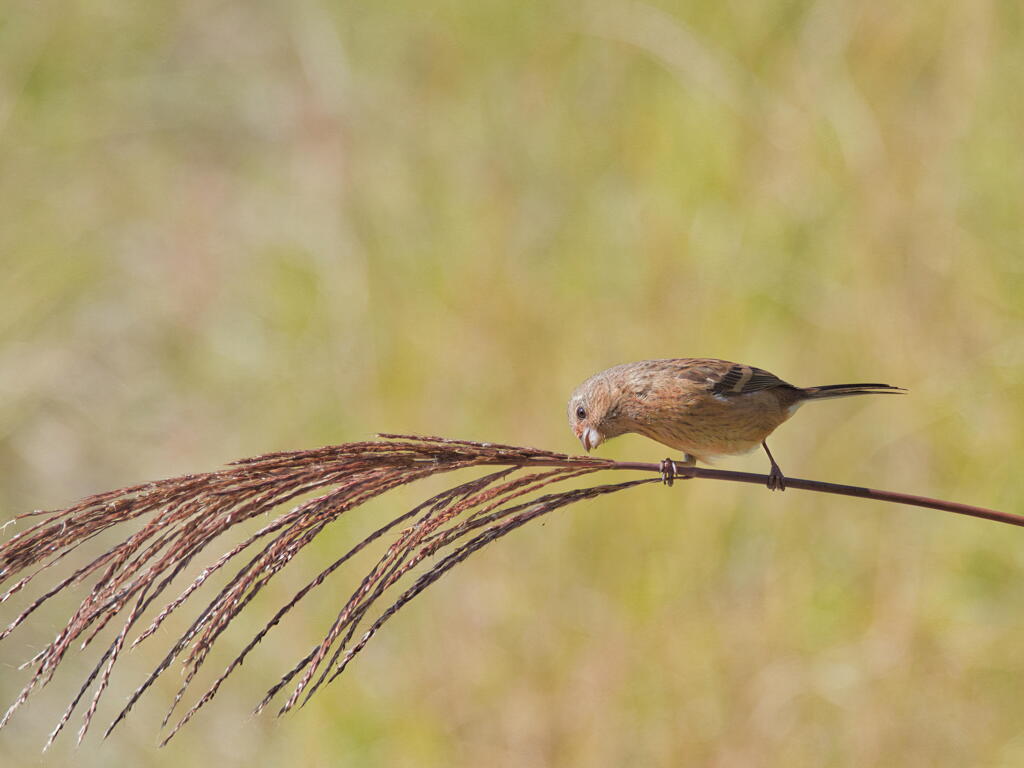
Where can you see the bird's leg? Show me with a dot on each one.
(670, 468)
(776, 480)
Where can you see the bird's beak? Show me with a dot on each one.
(591, 438)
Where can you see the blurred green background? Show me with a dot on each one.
(229, 228)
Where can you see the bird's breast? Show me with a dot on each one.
(707, 425)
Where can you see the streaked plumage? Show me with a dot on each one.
(701, 406)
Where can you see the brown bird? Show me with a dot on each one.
(704, 407)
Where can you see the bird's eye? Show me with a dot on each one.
(581, 413)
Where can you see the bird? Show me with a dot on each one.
(705, 407)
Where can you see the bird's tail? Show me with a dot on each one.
(848, 390)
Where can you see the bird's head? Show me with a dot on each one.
(594, 412)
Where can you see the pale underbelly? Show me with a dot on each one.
(708, 451)
(708, 438)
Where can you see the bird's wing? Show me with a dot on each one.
(725, 378)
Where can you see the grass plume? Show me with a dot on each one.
(179, 518)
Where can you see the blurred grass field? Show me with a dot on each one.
(229, 228)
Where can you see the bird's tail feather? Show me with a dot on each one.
(848, 390)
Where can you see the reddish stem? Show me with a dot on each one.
(823, 487)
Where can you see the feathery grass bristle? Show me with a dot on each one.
(180, 517)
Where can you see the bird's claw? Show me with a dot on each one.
(668, 472)
(776, 480)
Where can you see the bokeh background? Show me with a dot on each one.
(228, 228)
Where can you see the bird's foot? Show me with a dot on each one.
(670, 469)
(668, 472)
(776, 480)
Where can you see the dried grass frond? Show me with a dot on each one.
(179, 518)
